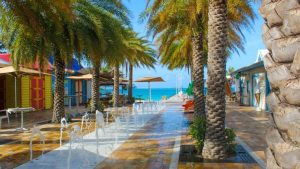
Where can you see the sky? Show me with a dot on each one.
(182, 77)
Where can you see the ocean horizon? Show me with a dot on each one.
(143, 93)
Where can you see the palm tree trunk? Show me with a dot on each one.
(281, 36)
(95, 86)
(214, 143)
(59, 91)
(130, 81)
(116, 86)
(198, 75)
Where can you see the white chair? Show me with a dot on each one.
(36, 131)
(63, 126)
(6, 116)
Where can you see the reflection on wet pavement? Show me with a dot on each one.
(151, 147)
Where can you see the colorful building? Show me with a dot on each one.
(31, 90)
(252, 85)
(74, 89)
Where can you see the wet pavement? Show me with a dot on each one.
(16, 153)
(151, 147)
(236, 163)
(249, 125)
(156, 145)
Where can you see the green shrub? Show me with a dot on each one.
(68, 117)
(230, 140)
(197, 131)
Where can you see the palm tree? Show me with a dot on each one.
(116, 84)
(182, 29)
(214, 143)
(27, 30)
(114, 15)
(136, 52)
(142, 55)
(282, 66)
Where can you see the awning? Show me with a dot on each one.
(248, 68)
(150, 79)
(11, 69)
(85, 77)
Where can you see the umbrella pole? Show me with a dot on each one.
(149, 91)
(16, 91)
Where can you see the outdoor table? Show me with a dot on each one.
(22, 110)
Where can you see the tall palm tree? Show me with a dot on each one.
(142, 55)
(114, 15)
(116, 84)
(27, 30)
(182, 29)
(185, 17)
(214, 144)
(281, 36)
(136, 52)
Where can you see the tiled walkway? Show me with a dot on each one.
(88, 152)
(249, 125)
(151, 147)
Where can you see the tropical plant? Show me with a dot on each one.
(281, 36)
(116, 84)
(103, 36)
(181, 33)
(136, 52)
(27, 31)
(214, 144)
(230, 140)
(197, 131)
(182, 29)
(229, 71)
(141, 55)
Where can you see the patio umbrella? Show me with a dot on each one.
(149, 80)
(21, 71)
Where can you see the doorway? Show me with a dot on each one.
(37, 92)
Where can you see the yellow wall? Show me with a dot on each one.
(25, 92)
(10, 91)
(48, 92)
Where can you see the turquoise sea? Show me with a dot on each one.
(143, 93)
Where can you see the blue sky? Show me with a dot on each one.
(252, 45)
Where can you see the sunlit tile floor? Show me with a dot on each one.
(151, 146)
(249, 125)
